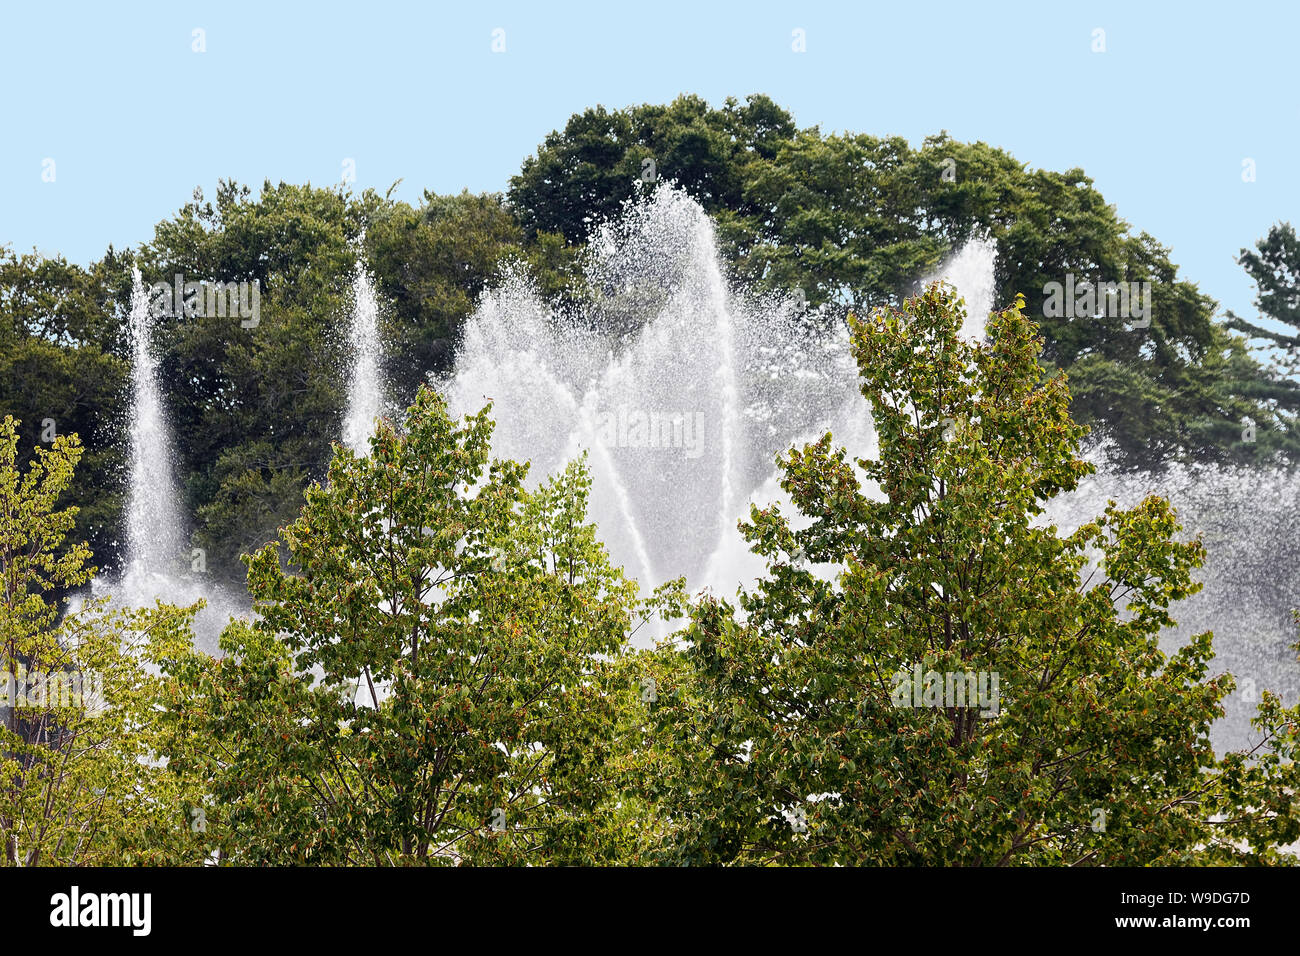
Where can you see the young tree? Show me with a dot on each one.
(931, 674)
(435, 673)
(79, 779)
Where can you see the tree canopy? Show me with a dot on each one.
(929, 675)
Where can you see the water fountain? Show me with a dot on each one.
(159, 563)
(365, 384)
(683, 391)
(156, 535)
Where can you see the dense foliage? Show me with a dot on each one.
(440, 669)
(440, 682)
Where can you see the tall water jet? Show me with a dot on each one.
(970, 269)
(154, 529)
(365, 383)
(159, 563)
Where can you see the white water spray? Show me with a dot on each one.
(159, 564)
(155, 532)
(365, 383)
(764, 376)
(683, 390)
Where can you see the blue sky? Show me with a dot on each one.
(134, 119)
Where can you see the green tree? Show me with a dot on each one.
(805, 737)
(62, 372)
(1274, 266)
(79, 779)
(435, 677)
(254, 408)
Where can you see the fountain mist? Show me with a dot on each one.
(1251, 575)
